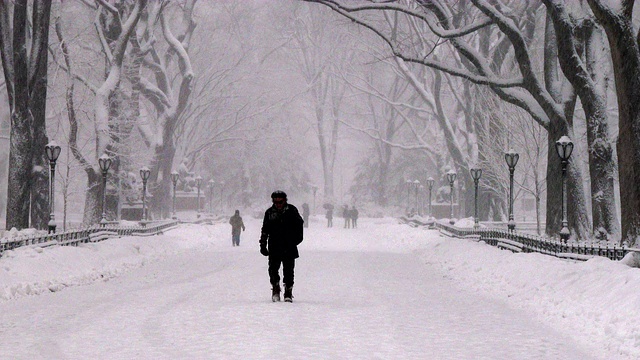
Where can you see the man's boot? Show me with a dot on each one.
(275, 292)
(288, 296)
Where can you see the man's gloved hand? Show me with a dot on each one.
(264, 251)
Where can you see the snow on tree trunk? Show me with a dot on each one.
(625, 54)
(578, 220)
(575, 39)
(38, 101)
(93, 199)
(26, 80)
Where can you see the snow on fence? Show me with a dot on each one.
(91, 234)
(522, 242)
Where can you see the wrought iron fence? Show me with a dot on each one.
(527, 243)
(91, 234)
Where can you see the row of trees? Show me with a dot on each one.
(121, 80)
(433, 83)
(549, 58)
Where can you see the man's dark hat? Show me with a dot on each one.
(278, 194)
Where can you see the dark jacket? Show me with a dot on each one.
(282, 231)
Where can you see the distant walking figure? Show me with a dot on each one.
(345, 215)
(354, 216)
(329, 216)
(236, 225)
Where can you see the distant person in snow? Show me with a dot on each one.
(329, 216)
(353, 214)
(236, 225)
(280, 236)
(305, 214)
(345, 215)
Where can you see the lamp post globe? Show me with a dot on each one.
(104, 161)
(174, 179)
(52, 150)
(451, 176)
(511, 157)
(476, 174)
(144, 174)
(564, 148)
(430, 182)
(198, 184)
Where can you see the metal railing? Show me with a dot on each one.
(85, 235)
(528, 243)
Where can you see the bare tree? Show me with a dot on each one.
(526, 89)
(580, 48)
(120, 21)
(319, 54)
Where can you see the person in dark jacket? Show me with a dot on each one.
(330, 216)
(353, 214)
(345, 215)
(236, 225)
(279, 239)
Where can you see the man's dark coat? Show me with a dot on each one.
(282, 231)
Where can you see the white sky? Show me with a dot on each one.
(382, 291)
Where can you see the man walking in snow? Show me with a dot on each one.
(279, 239)
(236, 224)
(353, 214)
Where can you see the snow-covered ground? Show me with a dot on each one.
(382, 291)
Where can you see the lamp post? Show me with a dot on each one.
(174, 179)
(52, 150)
(430, 182)
(416, 184)
(198, 184)
(511, 157)
(451, 176)
(105, 163)
(564, 147)
(211, 184)
(476, 173)
(144, 174)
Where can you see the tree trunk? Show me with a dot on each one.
(21, 142)
(93, 199)
(37, 103)
(579, 47)
(625, 54)
(579, 224)
(26, 77)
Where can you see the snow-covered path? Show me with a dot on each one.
(359, 294)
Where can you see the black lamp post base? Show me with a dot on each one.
(52, 229)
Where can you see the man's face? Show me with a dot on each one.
(279, 203)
